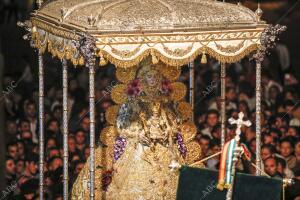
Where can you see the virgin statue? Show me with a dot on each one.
(149, 132)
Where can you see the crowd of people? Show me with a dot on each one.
(280, 122)
(280, 117)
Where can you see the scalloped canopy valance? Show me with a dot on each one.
(126, 31)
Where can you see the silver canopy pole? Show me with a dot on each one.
(223, 103)
(41, 125)
(258, 115)
(65, 130)
(92, 129)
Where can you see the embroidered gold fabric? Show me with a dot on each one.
(118, 93)
(111, 114)
(142, 172)
(126, 32)
(185, 109)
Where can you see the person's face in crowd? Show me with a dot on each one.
(29, 196)
(274, 134)
(26, 135)
(243, 108)
(249, 134)
(86, 153)
(53, 153)
(271, 166)
(35, 149)
(51, 143)
(268, 139)
(216, 134)
(212, 120)
(286, 149)
(253, 146)
(80, 137)
(289, 96)
(32, 168)
(243, 97)
(20, 166)
(48, 181)
(54, 126)
(55, 164)
(280, 168)
(11, 128)
(273, 92)
(291, 132)
(31, 111)
(105, 105)
(59, 95)
(78, 168)
(13, 151)
(215, 149)
(265, 153)
(231, 95)
(230, 134)
(279, 122)
(201, 119)
(57, 114)
(24, 126)
(73, 85)
(75, 157)
(297, 148)
(204, 143)
(10, 167)
(21, 149)
(71, 144)
(85, 124)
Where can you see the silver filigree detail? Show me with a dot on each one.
(268, 41)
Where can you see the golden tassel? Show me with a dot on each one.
(154, 58)
(220, 186)
(102, 62)
(81, 60)
(203, 58)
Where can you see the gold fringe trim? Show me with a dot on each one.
(61, 50)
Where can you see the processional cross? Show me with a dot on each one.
(238, 150)
(239, 122)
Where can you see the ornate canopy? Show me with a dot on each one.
(126, 31)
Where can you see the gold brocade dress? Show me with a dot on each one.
(148, 135)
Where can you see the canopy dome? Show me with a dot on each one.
(146, 15)
(126, 31)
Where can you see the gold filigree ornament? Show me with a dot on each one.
(178, 91)
(188, 131)
(185, 109)
(108, 135)
(193, 152)
(125, 75)
(118, 94)
(169, 72)
(111, 114)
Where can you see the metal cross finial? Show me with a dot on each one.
(239, 122)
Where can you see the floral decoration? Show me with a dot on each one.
(119, 147)
(181, 146)
(106, 179)
(134, 88)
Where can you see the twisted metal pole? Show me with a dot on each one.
(223, 103)
(41, 126)
(92, 127)
(258, 115)
(65, 131)
(192, 87)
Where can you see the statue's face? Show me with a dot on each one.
(152, 78)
